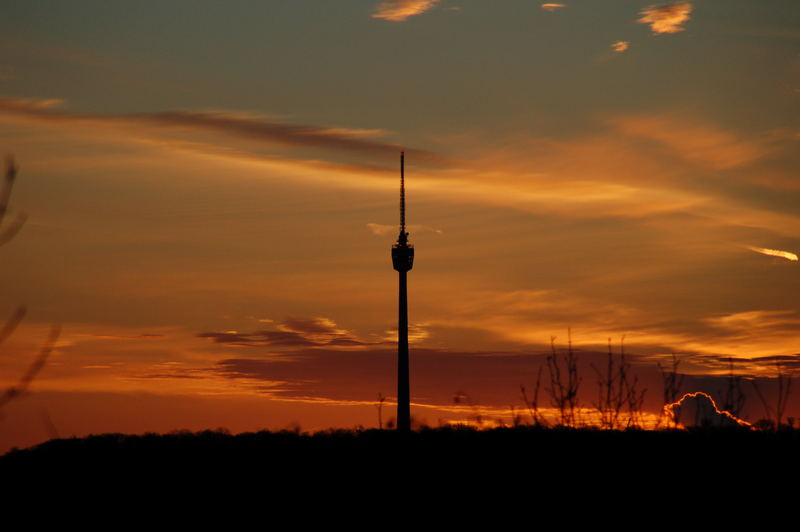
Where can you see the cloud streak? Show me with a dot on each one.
(774, 253)
(667, 18)
(231, 124)
(290, 333)
(400, 10)
(552, 7)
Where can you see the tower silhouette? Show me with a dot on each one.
(403, 260)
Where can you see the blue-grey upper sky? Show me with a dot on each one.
(475, 65)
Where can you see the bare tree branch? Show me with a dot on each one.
(5, 195)
(34, 369)
(12, 323)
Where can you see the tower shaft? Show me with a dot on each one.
(403, 384)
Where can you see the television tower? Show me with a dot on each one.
(403, 260)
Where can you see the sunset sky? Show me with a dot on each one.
(212, 192)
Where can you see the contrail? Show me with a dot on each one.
(774, 253)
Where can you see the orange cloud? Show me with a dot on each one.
(696, 141)
(774, 253)
(552, 7)
(620, 46)
(760, 321)
(666, 18)
(400, 10)
(290, 334)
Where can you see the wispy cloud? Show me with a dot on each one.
(146, 336)
(774, 253)
(290, 333)
(355, 374)
(762, 321)
(667, 18)
(233, 124)
(552, 7)
(620, 46)
(691, 139)
(383, 229)
(29, 104)
(355, 133)
(400, 10)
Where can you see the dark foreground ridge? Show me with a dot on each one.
(529, 452)
(577, 474)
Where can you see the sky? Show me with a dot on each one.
(211, 192)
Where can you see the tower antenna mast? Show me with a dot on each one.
(402, 192)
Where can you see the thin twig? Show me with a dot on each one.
(34, 369)
(12, 323)
(5, 195)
